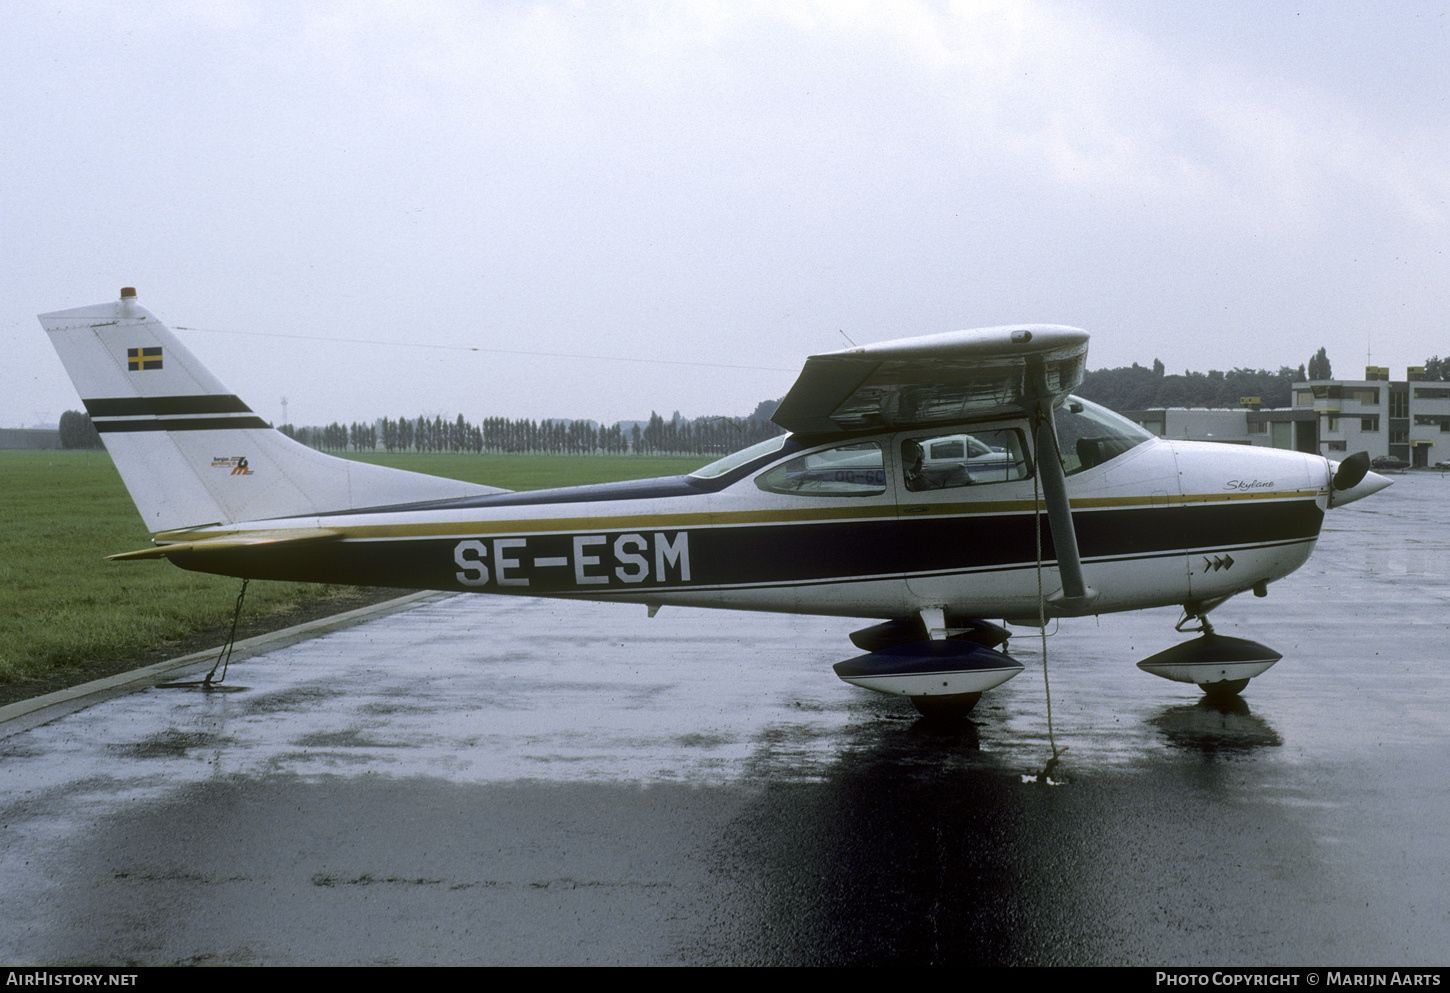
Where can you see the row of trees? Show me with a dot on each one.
(1137, 388)
(701, 436)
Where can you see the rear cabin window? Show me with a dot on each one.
(849, 470)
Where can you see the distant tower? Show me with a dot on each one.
(284, 411)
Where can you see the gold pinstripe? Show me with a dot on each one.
(656, 522)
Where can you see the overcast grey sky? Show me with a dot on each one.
(733, 184)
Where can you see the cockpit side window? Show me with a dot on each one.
(856, 470)
(1089, 435)
(947, 461)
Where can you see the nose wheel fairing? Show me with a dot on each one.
(1218, 664)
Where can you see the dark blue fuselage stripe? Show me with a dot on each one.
(819, 553)
(171, 414)
(182, 424)
(166, 406)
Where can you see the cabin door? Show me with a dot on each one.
(965, 510)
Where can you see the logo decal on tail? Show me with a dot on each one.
(236, 464)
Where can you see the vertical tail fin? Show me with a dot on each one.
(189, 450)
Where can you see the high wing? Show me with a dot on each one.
(935, 379)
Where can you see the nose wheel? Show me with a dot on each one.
(947, 708)
(1224, 689)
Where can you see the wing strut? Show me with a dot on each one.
(1076, 596)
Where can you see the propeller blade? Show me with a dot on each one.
(1351, 471)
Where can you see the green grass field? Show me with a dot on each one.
(62, 603)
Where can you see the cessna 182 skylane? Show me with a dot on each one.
(930, 483)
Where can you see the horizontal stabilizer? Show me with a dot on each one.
(280, 536)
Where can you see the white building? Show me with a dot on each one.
(1408, 419)
(1288, 428)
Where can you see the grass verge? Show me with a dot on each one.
(64, 608)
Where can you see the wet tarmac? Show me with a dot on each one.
(500, 781)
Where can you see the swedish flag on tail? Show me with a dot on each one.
(141, 359)
(167, 422)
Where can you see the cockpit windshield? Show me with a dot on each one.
(1090, 435)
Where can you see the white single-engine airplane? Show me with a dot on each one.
(929, 482)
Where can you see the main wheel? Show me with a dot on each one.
(946, 707)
